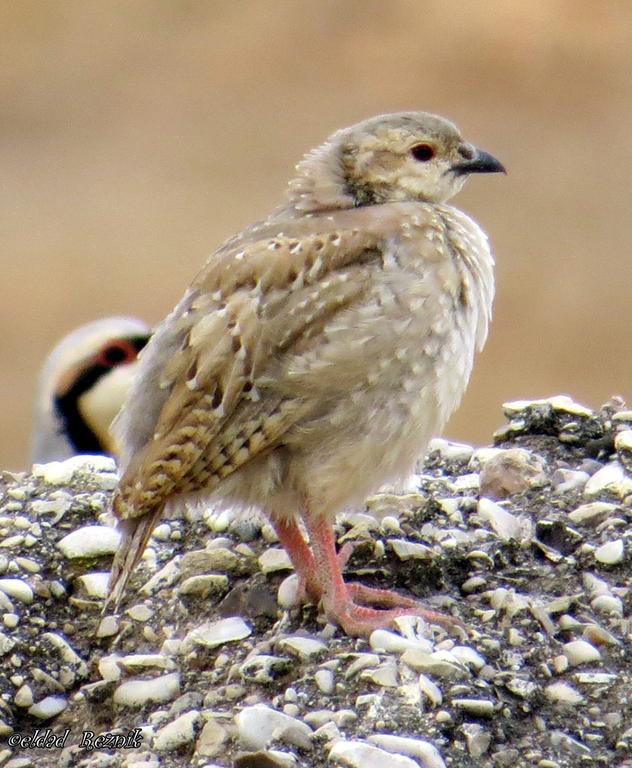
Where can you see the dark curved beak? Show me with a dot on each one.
(482, 162)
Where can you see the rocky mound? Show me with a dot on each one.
(527, 542)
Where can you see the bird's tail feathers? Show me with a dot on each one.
(136, 532)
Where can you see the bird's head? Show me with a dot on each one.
(82, 387)
(407, 156)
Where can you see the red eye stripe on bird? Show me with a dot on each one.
(316, 354)
(82, 387)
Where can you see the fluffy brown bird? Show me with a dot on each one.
(82, 386)
(316, 353)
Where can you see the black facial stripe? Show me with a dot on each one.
(138, 342)
(66, 406)
(80, 436)
(79, 433)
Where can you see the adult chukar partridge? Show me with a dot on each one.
(82, 386)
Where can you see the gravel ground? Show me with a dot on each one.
(526, 542)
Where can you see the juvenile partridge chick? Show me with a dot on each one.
(82, 387)
(316, 353)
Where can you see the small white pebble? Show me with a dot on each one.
(382, 640)
(561, 403)
(179, 732)
(137, 692)
(259, 724)
(478, 740)
(211, 634)
(418, 748)
(623, 441)
(357, 754)
(218, 522)
(287, 594)
(607, 604)
(477, 707)
(108, 626)
(17, 589)
(472, 584)
(390, 525)
(504, 524)
(610, 553)
(268, 533)
(564, 693)
(140, 612)
(385, 675)
(594, 585)
(468, 656)
(595, 678)
(345, 717)
(514, 637)
(162, 532)
(609, 479)
(410, 694)
(431, 691)
(304, 648)
(28, 565)
(580, 652)
(90, 541)
(568, 480)
(324, 679)
(483, 455)
(410, 550)
(459, 452)
(592, 513)
(440, 663)
(23, 696)
(274, 559)
(109, 668)
(95, 584)
(469, 482)
(48, 707)
(10, 542)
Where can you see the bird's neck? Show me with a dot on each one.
(320, 184)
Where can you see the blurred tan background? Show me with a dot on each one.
(136, 136)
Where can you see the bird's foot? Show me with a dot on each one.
(308, 586)
(356, 608)
(359, 610)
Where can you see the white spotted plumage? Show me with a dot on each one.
(365, 263)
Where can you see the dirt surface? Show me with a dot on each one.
(526, 542)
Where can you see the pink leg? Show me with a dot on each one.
(346, 604)
(302, 558)
(300, 554)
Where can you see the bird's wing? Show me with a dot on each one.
(248, 306)
(210, 396)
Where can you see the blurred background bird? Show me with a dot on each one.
(82, 386)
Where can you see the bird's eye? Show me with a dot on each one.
(422, 152)
(117, 353)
